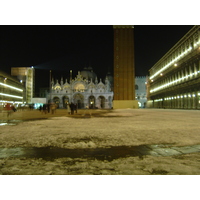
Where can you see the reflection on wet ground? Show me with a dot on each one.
(51, 153)
(9, 122)
(15, 121)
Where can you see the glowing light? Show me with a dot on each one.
(157, 100)
(170, 63)
(11, 87)
(172, 82)
(8, 95)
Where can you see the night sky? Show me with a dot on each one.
(64, 48)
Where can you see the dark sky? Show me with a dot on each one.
(67, 47)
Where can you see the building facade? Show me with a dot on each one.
(27, 76)
(124, 67)
(141, 90)
(11, 90)
(84, 90)
(174, 81)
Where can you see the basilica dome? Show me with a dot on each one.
(87, 73)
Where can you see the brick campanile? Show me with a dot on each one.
(124, 67)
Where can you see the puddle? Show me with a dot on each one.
(9, 122)
(51, 153)
(13, 122)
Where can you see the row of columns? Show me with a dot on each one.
(90, 101)
(189, 72)
(182, 101)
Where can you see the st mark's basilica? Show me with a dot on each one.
(85, 90)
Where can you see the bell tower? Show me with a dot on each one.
(124, 67)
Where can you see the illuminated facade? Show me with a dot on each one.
(84, 90)
(11, 90)
(124, 67)
(174, 81)
(27, 76)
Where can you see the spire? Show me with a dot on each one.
(70, 76)
(96, 80)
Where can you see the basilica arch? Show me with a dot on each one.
(56, 100)
(92, 102)
(78, 99)
(79, 87)
(65, 99)
(102, 101)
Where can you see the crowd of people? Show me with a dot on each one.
(9, 108)
(51, 108)
(48, 108)
(44, 109)
(71, 108)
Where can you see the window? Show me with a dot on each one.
(136, 87)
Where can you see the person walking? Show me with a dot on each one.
(72, 108)
(68, 108)
(9, 109)
(44, 109)
(53, 108)
(48, 107)
(75, 107)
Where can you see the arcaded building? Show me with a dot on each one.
(174, 81)
(26, 75)
(11, 90)
(84, 90)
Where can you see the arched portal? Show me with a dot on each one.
(91, 102)
(56, 100)
(102, 101)
(79, 87)
(79, 100)
(65, 100)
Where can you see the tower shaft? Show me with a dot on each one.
(124, 67)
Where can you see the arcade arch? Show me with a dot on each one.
(56, 100)
(79, 100)
(65, 100)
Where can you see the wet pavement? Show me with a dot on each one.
(51, 153)
(13, 122)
